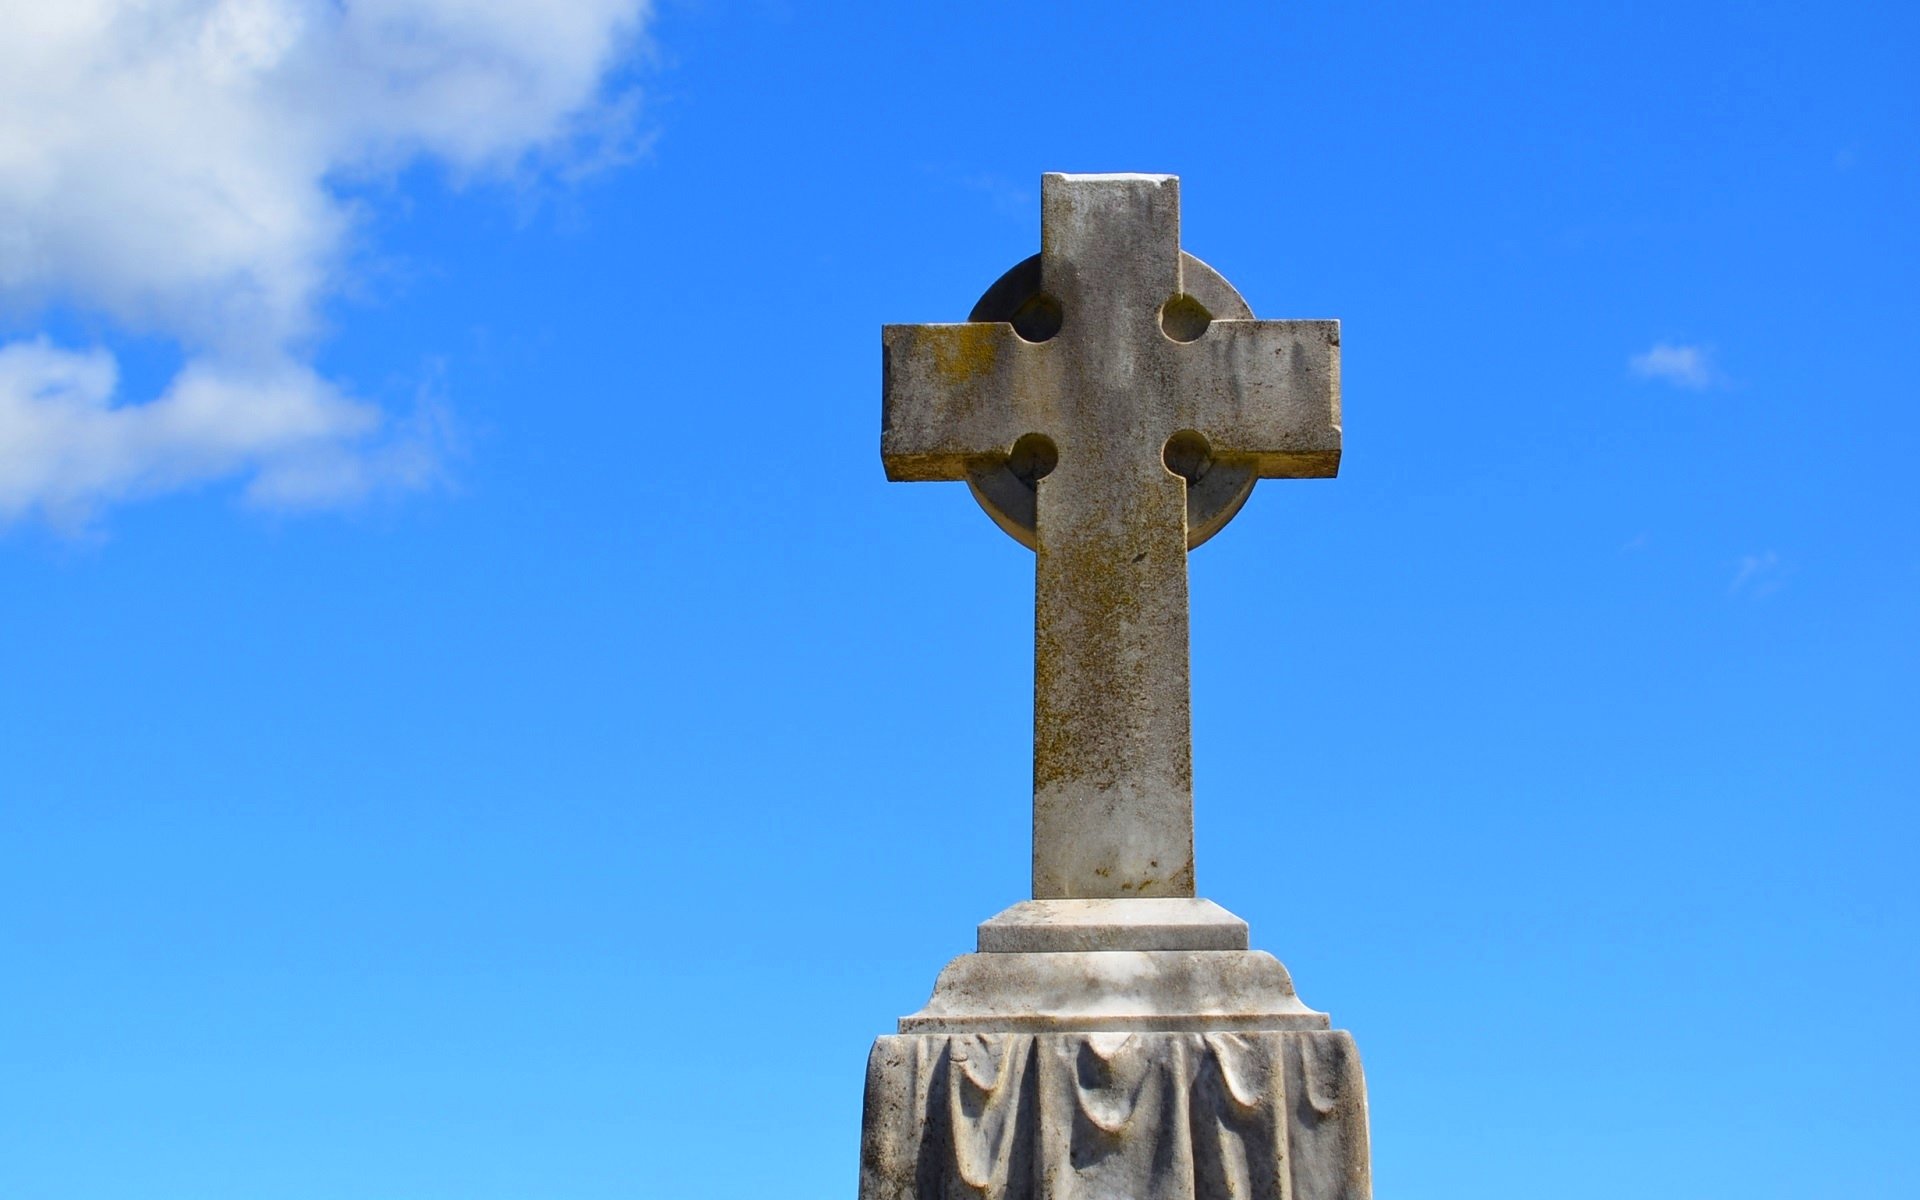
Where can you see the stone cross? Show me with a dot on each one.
(1112, 403)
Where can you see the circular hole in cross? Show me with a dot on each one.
(1184, 319)
(1033, 458)
(1038, 318)
(1187, 455)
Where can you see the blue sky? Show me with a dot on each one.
(476, 722)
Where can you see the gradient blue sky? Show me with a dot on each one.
(490, 732)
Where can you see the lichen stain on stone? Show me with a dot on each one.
(965, 352)
(1085, 741)
(1181, 884)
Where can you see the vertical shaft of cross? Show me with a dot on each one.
(1112, 769)
(1112, 753)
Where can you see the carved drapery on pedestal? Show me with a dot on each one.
(1115, 1116)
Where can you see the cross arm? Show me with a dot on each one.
(954, 395)
(1267, 393)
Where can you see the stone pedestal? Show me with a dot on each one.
(1115, 1050)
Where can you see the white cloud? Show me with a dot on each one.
(1758, 574)
(174, 166)
(1684, 366)
(65, 446)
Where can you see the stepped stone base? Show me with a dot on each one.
(1170, 923)
(1089, 1073)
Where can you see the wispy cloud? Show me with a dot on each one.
(174, 167)
(1006, 197)
(1681, 365)
(1758, 575)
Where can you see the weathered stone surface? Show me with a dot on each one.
(1168, 923)
(1113, 1116)
(1113, 990)
(1124, 392)
(1110, 404)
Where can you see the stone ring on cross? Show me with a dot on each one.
(1215, 488)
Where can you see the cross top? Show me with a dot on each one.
(1111, 403)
